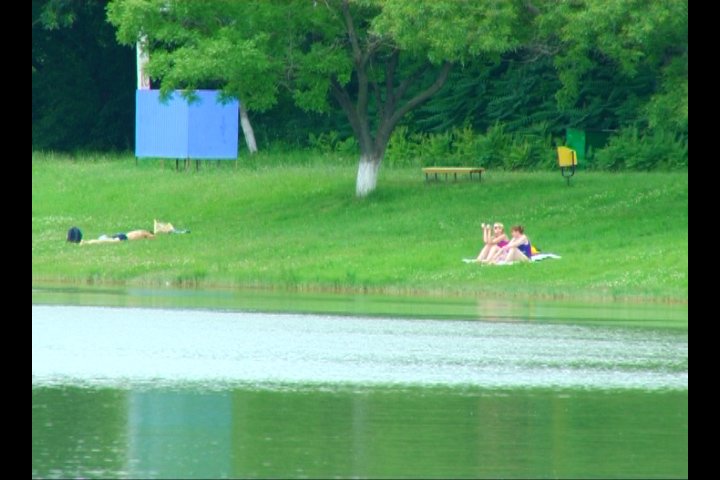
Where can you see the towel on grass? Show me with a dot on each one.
(534, 258)
(162, 227)
(543, 256)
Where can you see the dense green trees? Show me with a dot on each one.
(624, 76)
(378, 60)
(609, 67)
(461, 78)
(82, 80)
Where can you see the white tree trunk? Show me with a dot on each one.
(247, 130)
(367, 175)
(143, 81)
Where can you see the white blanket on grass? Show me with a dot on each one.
(543, 256)
(534, 258)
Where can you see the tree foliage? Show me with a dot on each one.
(82, 80)
(450, 72)
(377, 59)
(603, 66)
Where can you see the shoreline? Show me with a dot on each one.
(391, 291)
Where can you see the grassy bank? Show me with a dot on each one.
(295, 223)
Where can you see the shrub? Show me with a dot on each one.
(633, 151)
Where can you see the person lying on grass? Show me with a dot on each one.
(75, 236)
(494, 238)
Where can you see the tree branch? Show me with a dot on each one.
(357, 54)
(378, 100)
(390, 79)
(373, 44)
(532, 8)
(360, 61)
(402, 88)
(343, 98)
(422, 96)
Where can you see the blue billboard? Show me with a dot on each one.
(202, 129)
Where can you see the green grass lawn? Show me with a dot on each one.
(293, 222)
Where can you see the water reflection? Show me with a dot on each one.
(358, 432)
(180, 434)
(435, 307)
(111, 345)
(156, 393)
(78, 433)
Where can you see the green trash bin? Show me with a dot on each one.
(575, 139)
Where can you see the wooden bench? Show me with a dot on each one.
(454, 170)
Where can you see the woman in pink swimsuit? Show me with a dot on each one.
(494, 238)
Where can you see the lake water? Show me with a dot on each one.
(476, 389)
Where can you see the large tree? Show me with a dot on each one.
(377, 60)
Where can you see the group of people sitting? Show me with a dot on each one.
(75, 235)
(499, 249)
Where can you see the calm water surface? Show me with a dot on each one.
(153, 392)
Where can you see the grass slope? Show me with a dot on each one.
(295, 223)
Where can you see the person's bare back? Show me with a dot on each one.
(138, 234)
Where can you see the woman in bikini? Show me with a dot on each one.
(494, 238)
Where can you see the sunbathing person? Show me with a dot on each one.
(518, 248)
(119, 237)
(494, 238)
(75, 236)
